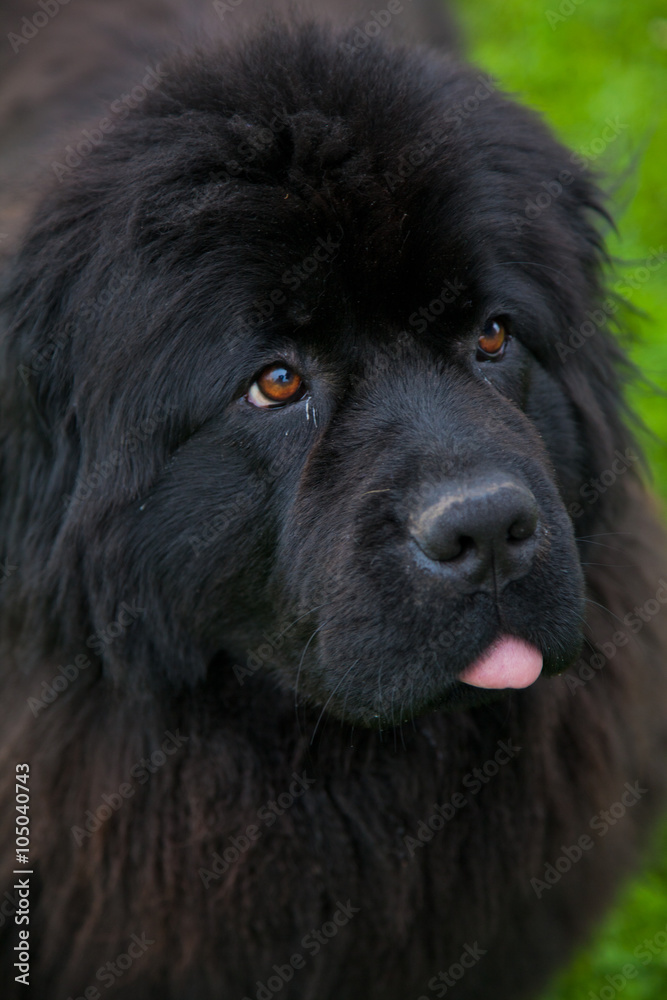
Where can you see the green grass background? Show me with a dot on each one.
(587, 62)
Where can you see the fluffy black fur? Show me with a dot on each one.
(244, 578)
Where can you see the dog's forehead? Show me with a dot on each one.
(312, 261)
(349, 186)
(338, 205)
(379, 146)
(348, 241)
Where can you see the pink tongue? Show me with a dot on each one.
(509, 663)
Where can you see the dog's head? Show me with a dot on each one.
(314, 366)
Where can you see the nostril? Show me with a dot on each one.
(523, 527)
(459, 548)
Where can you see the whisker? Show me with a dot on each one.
(608, 565)
(602, 545)
(305, 615)
(588, 642)
(380, 684)
(324, 708)
(605, 534)
(298, 673)
(589, 600)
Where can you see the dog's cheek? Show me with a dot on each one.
(549, 410)
(522, 380)
(217, 521)
(196, 552)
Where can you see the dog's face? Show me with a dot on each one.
(327, 378)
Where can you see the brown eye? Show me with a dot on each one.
(493, 342)
(276, 386)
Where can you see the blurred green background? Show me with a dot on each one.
(581, 64)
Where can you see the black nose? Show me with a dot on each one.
(481, 532)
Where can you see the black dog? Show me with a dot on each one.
(313, 450)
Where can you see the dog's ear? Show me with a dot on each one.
(39, 453)
(588, 351)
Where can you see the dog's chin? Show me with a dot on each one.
(379, 716)
(507, 665)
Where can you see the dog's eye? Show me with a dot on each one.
(493, 342)
(276, 386)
